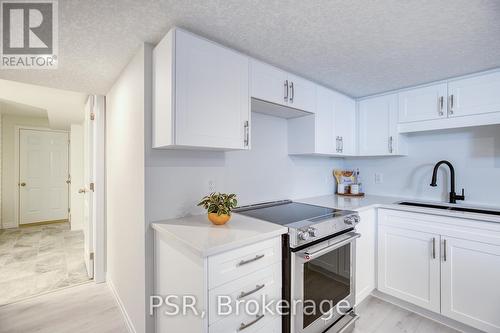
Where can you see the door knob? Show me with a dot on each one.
(23, 184)
(82, 190)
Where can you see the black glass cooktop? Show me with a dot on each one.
(286, 212)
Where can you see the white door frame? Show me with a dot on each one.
(17, 133)
(99, 210)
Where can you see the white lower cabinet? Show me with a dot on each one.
(226, 287)
(365, 254)
(470, 277)
(444, 264)
(408, 268)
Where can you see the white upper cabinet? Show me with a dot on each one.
(345, 124)
(425, 103)
(302, 94)
(268, 83)
(201, 94)
(378, 126)
(329, 131)
(273, 85)
(474, 95)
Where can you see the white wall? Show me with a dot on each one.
(177, 180)
(76, 172)
(125, 188)
(9, 181)
(474, 152)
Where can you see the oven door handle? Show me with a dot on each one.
(307, 256)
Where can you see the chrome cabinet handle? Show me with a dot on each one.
(341, 144)
(444, 252)
(248, 293)
(244, 326)
(338, 144)
(286, 91)
(292, 92)
(434, 248)
(441, 105)
(391, 145)
(452, 103)
(244, 262)
(246, 129)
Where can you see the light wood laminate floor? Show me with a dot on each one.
(377, 316)
(86, 308)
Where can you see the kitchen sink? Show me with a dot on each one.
(451, 208)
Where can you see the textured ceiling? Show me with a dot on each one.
(359, 47)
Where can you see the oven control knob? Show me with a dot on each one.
(303, 236)
(311, 231)
(349, 220)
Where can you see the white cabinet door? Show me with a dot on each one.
(470, 276)
(212, 102)
(325, 122)
(365, 255)
(408, 265)
(378, 125)
(474, 95)
(425, 103)
(268, 83)
(345, 123)
(302, 94)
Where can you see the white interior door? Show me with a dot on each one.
(76, 175)
(43, 175)
(88, 193)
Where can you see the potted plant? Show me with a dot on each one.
(219, 206)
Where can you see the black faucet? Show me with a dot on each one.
(453, 196)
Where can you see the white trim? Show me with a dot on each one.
(118, 300)
(100, 189)
(17, 133)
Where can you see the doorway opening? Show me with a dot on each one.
(51, 228)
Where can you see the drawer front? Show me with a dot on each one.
(232, 265)
(262, 284)
(266, 324)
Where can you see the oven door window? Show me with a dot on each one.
(327, 281)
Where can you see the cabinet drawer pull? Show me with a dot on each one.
(286, 91)
(391, 145)
(441, 105)
(245, 326)
(248, 293)
(434, 248)
(246, 129)
(444, 252)
(244, 262)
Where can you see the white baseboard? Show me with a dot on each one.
(361, 296)
(8, 225)
(126, 317)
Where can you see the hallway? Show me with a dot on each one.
(40, 258)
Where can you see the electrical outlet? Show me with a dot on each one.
(379, 178)
(211, 186)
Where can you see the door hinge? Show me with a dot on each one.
(92, 116)
(92, 186)
(91, 255)
(69, 210)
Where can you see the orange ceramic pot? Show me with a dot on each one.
(218, 219)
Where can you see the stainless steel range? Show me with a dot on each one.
(318, 264)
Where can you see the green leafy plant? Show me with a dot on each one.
(219, 203)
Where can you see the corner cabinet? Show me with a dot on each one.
(200, 94)
(378, 133)
(448, 265)
(330, 131)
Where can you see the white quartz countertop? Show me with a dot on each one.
(377, 201)
(205, 239)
